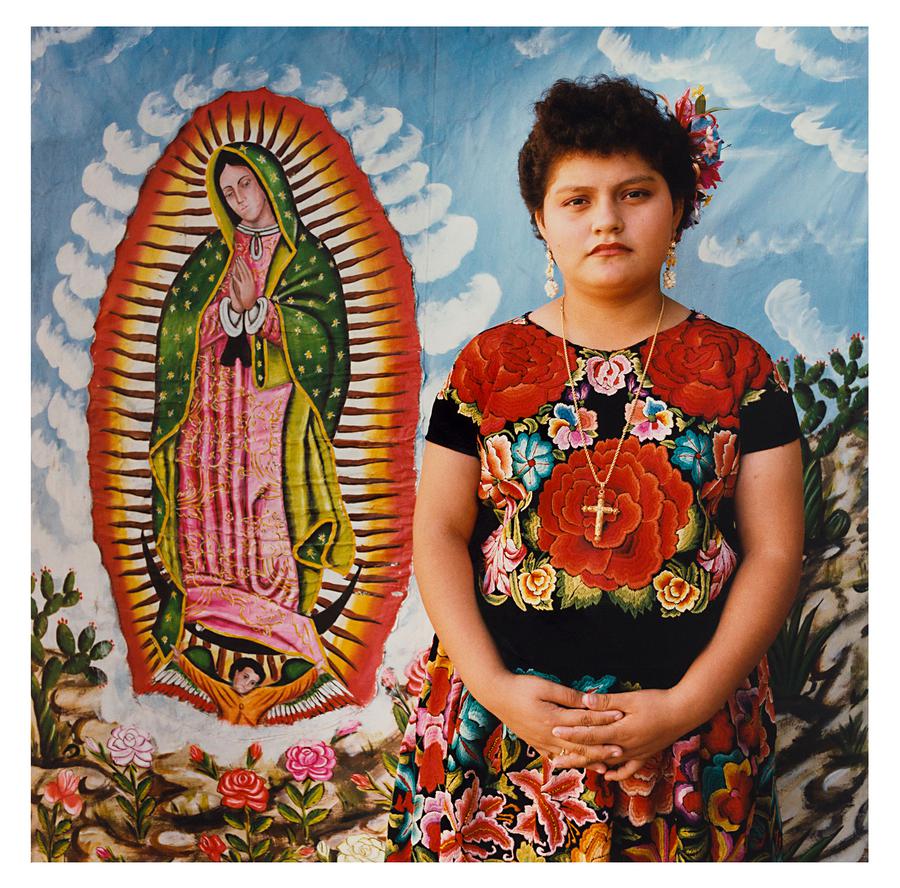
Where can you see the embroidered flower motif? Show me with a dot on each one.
(720, 560)
(727, 457)
(607, 376)
(416, 672)
(652, 419)
(693, 453)
(532, 459)
(564, 430)
(477, 833)
(498, 482)
(675, 593)
(729, 806)
(501, 555)
(556, 803)
(648, 791)
(538, 585)
(595, 844)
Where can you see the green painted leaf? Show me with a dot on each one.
(390, 762)
(77, 664)
(289, 813)
(100, 650)
(236, 842)
(34, 609)
(41, 841)
(313, 795)
(54, 604)
(64, 639)
(260, 850)
(148, 806)
(261, 824)
(294, 794)
(52, 672)
(46, 584)
(86, 638)
(126, 806)
(144, 787)
(317, 815)
(233, 820)
(69, 583)
(40, 625)
(60, 846)
(401, 716)
(37, 650)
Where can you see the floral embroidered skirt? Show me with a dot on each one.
(469, 790)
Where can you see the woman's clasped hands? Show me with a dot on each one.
(613, 734)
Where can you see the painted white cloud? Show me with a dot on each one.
(426, 208)
(345, 118)
(85, 280)
(129, 37)
(99, 181)
(288, 81)
(101, 229)
(189, 94)
(158, 117)
(408, 147)
(71, 362)
(328, 91)
(224, 77)
(373, 134)
(795, 319)
(40, 398)
(35, 89)
(67, 484)
(78, 318)
(721, 81)
(808, 128)
(755, 246)
(124, 155)
(446, 325)
(540, 44)
(850, 35)
(403, 183)
(43, 38)
(790, 52)
(67, 417)
(438, 252)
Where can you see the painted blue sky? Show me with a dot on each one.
(436, 117)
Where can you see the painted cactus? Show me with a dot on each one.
(47, 669)
(852, 401)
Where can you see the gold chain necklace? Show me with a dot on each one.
(601, 508)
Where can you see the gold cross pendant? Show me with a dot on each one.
(599, 511)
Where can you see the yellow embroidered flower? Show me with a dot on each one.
(674, 593)
(594, 845)
(538, 586)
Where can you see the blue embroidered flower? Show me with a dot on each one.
(694, 454)
(532, 459)
(474, 727)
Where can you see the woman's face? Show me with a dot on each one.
(244, 194)
(592, 200)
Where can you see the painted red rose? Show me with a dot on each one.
(706, 369)
(212, 846)
(241, 787)
(653, 502)
(529, 373)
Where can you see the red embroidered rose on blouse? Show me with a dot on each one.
(706, 370)
(528, 373)
(653, 502)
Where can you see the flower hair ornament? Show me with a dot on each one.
(706, 146)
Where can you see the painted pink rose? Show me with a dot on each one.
(608, 376)
(65, 790)
(315, 761)
(130, 745)
(416, 672)
(347, 728)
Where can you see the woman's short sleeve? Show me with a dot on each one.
(452, 421)
(767, 415)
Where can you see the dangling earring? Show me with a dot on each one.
(551, 288)
(669, 273)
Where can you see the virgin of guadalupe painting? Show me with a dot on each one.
(272, 542)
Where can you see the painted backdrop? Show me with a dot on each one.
(185, 704)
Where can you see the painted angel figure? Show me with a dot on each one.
(252, 369)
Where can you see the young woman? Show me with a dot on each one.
(608, 532)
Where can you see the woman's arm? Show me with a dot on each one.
(769, 517)
(445, 513)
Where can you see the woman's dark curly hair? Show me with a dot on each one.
(604, 116)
